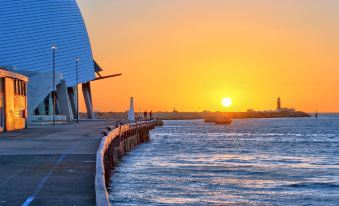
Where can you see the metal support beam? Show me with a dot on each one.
(63, 101)
(86, 90)
(73, 99)
(106, 77)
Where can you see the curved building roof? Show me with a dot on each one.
(28, 29)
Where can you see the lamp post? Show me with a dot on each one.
(77, 59)
(54, 48)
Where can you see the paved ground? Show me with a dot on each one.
(50, 165)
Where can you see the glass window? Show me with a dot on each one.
(22, 113)
(25, 89)
(19, 87)
(14, 82)
(15, 87)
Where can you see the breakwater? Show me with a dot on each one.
(116, 142)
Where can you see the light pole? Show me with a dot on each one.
(54, 48)
(77, 59)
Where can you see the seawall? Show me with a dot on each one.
(115, 143)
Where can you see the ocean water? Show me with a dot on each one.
(251, 162)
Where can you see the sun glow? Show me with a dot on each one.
(226, 102)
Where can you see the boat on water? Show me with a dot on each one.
(225, 120)
(219, 120)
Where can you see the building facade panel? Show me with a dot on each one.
(30, 27)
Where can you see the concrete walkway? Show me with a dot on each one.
(50, 165)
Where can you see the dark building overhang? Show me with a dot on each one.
(98, 69)
(106, 77)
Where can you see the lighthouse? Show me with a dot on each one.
(278, 104)
(131, 115)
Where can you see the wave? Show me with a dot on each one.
(315, 185)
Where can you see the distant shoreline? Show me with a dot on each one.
(233, 115)
(204, 115)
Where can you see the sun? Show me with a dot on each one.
(226, 102)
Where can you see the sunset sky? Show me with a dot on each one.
(189, 54)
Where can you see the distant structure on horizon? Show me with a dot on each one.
(131, 113)
(283, 109)
(279, 108)
(278, 104)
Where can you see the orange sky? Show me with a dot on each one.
(189, 54)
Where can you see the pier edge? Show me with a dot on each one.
(115, 143)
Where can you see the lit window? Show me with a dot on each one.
(19, 87)
(14, 82)
(25, 89)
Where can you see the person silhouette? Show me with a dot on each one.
(145, 115)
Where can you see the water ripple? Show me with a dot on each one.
(252, 162)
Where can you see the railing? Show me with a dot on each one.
(46, 118)
(115, 138)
